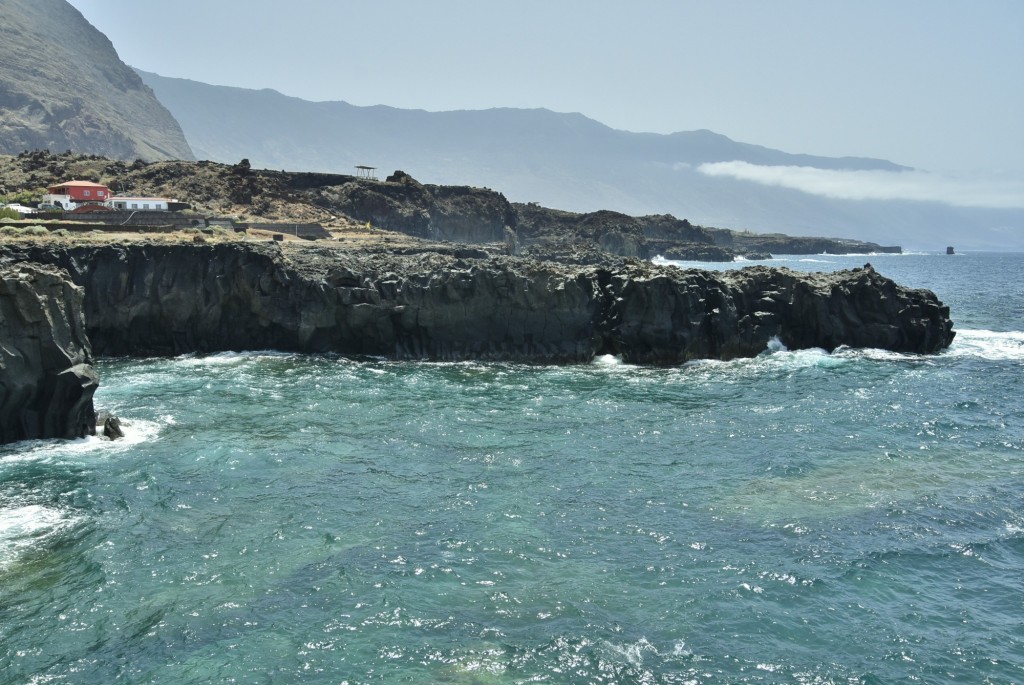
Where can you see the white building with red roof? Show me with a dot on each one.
(71, 194)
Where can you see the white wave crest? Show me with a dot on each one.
(632, 653)
(775, 357)
(28, 526)
(874, 354)
(228, 358)
(136, 432)
(992, 345)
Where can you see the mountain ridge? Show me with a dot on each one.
(565, 160)
(63, 86)
(516, 118)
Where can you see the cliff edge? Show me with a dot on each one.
(158, 299)
(46, 377)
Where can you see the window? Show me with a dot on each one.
(145, 206)
(135, 205)
(86, 192)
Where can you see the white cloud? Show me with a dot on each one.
(877, 185)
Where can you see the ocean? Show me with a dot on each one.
(799, 517)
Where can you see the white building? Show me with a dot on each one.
(143, 204)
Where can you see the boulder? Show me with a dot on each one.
(111, 425)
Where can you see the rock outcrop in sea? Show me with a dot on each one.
(46, 377)
(464, 303)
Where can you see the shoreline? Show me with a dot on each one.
(410, 300)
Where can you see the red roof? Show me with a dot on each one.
(77, 184)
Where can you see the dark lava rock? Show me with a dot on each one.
(744, 242)
(691, 252)
(665, 318)
(111, 425)
(144, 299)
(46, 377)
(402, 204)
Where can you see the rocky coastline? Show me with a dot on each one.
(451, 303)
(60, 302)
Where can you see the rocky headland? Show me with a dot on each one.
(411, 271)
(452, 303)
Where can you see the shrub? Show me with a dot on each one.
(22, 197)
(8, 213)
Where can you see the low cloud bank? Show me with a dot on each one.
(876, 185)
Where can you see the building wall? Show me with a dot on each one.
(78, 194)
(74, 195)
(59, 200)
(139, 203)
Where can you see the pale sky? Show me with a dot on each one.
(933, 84)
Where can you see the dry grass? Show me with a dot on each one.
(345, 235)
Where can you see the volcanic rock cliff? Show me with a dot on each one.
(144, 299)
(46, 378)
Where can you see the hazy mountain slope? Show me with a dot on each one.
(62, 86)
(562, 160)
(338, 133)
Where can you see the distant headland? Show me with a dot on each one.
(205, 193)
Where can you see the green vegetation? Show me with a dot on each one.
(14, 231)
(8, 213)
(22, 197)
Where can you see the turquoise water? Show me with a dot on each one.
(800, 517)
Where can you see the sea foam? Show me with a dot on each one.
(136, 432)
(25, 527)
(992, 345)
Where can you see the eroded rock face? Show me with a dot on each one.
(401, 203)
(46, 377)
(171, 299)
(661, 317)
